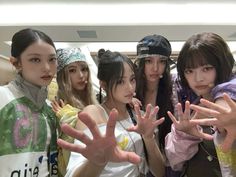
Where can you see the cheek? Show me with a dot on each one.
(86, 76)
(162, 67)
(189, 80)
(54, 69)
(146, 69)
(212, 76)
(72, 77)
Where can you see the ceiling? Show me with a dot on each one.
(101, 24)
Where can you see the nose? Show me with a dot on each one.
(80, 74)
(198, 76)
(156, 65)
(130, 86)
(46, 66)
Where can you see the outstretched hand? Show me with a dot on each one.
(185, 122)
(221, 117)
(101, 148)
(147, 123)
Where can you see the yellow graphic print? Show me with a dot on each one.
(228, 158)
(123, 143)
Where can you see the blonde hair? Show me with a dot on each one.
(72, 97)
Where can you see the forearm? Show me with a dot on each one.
(88, 169)
(155, 158)
(180, 147)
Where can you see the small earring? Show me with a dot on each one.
(161, 76)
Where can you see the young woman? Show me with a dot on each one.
(204, 62)
(73, 78)
(28, 125)
(154, 85)
(107, 154)
(75, 91)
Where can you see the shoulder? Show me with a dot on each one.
(96, 112)
(228, 87)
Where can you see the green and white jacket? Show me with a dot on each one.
(28, 131)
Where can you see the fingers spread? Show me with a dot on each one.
(172, 117)
(205, 136)
(229, 101)
(129, 157)
(154, 112)
(90, 123)
(205, 121)
(70, 146)
(110, 130)
(75, 134)
(159, 121)
(187, 110)
(206, 111)
(213, 106)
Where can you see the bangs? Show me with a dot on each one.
(195, 60)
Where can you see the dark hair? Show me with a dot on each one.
(206, 48)
(111, 67)
(163, 99)
(24, 38)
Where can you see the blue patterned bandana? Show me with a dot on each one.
(67, 56)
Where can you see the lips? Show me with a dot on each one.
(154, 75)
(201, 87)
(81, 83)
(129, 96)
(48, 77)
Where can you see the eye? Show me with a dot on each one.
(133, 80)
(188, 71)
(121, 81)
(163, 61)
(53, 59)
(207, 68)
(148, 61)
(35, 60)
(72, 70)
(84, 68)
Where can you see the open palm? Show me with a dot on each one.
(185, 124)
(146, 123)
(102, 148)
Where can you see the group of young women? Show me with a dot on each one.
(122, 136)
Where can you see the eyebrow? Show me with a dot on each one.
(72, 66)
(36, 54)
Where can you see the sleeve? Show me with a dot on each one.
(68, 114)
(227, 87)
(180, 147)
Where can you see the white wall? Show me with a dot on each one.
(7, 71)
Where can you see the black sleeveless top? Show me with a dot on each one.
(205, 162)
